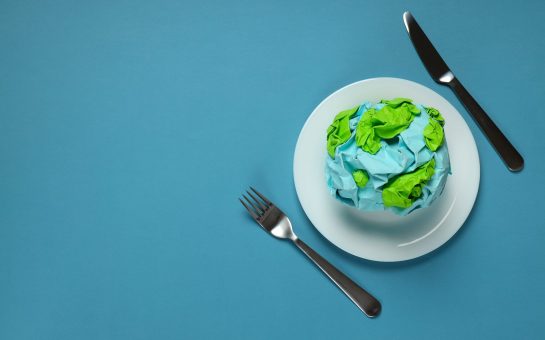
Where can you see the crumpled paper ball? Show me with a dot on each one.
(348, 165)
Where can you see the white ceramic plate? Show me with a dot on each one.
(383, 236)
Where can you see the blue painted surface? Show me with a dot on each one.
(129, 128)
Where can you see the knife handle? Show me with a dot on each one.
(510, 156)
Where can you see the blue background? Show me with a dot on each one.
(129, 128)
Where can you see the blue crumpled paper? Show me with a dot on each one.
(402, 154)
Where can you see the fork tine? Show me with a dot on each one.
(257, 209)
(261, 205)
(261, 196)
(254, 215)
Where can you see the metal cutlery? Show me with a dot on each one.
(442, 74)
(275, 222)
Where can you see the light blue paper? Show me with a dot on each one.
(402, 154)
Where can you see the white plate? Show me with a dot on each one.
(383, 236)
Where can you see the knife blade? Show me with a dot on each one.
(442, 74)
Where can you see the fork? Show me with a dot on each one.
(275, 222)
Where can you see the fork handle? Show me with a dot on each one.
(365, 301)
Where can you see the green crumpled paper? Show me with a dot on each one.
(433, 135)
(339, 131)
(360, 177)
(388, 122)
(407, 188)
(435, 114)
(433, 132)
(401, 102)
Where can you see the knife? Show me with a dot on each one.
(442, 74)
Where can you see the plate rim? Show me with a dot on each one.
(476, 166)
